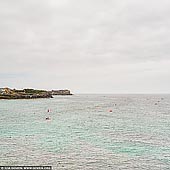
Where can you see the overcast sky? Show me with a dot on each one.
(88, 46)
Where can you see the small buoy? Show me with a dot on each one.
(110, 110)
(48, 110)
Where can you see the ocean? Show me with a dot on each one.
(91, 132)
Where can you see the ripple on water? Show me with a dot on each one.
(83, 134)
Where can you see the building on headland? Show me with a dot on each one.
(60, 92)
(2, 91)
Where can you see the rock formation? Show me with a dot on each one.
(7, 93)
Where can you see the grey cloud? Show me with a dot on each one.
(70, 38)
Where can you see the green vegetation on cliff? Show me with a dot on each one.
(7, 93)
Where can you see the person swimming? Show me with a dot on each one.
(47, 118)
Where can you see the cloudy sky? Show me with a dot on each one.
(88, 46)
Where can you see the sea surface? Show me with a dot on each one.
(91, 132)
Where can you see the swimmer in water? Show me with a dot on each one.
(47, 118)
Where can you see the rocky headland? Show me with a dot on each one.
(7, 93)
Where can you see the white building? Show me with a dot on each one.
(2, 90)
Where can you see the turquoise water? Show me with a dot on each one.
(83, 134)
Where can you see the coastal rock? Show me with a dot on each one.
(7, 93)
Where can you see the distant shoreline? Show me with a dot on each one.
(7, 93)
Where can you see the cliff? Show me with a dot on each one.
(7, 93)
